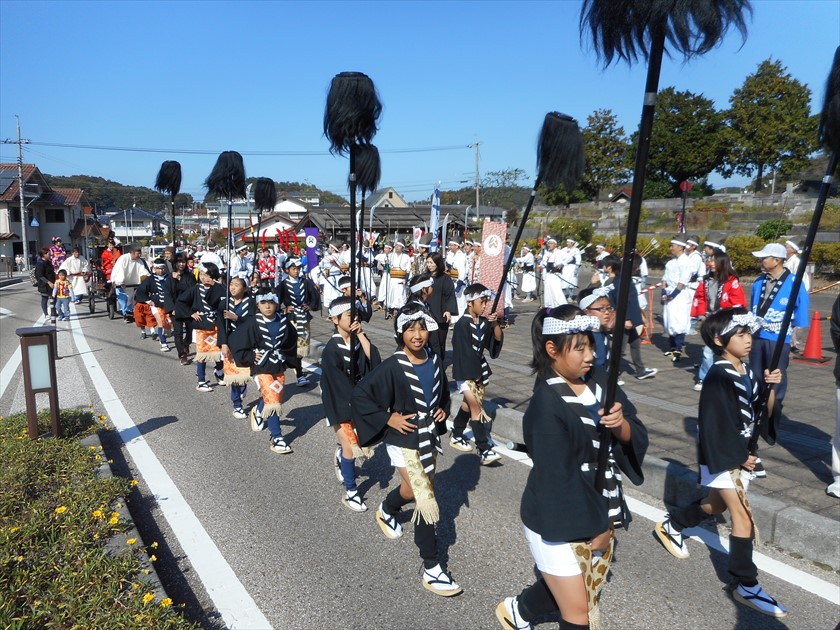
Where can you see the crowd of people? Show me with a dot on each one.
(249, 319)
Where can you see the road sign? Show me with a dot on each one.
(686, 186)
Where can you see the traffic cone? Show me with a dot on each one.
(813, 347)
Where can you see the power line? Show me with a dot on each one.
(253, 153)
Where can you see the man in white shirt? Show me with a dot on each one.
(128, 272)
(676, 298)
(570, 258)
(552, 281)
(241, 265)
(456, 268)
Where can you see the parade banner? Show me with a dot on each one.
(311, 247)
(493, 237)
(434, 220)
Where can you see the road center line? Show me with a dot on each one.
(229, 595)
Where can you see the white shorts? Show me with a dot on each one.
(552, 558)
(722, 480)
(396, 455)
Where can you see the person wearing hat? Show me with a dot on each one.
(365, 270)
(267, 267)
(570, 260)
(474, 269)
(241, 266)
(456, 268)
(363, 307)
(676, 299)
(77, 269)
(109, 257)
(399, 264)
(769, 297)
(210, 256)
(529, 278)
(553, 283)
(298, 297)
(698, 271)
(418, 261)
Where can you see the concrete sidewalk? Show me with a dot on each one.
(790, 505)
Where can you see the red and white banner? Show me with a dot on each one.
(493, 237)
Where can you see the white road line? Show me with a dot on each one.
(12, 364)
(229, 595)
(789, 574)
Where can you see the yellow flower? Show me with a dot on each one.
(166, 602)
(20, 437)
(115, 514)
(135, 586)
(20, 558)
(103, 418)
(130, 541)
(134, 482)
(98, 514)
(61, 509)
(91, 448)
(154, 545)
(14, 529)
(113, 520)
(148, 597)
(98, 457)
(153, 558)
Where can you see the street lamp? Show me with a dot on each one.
(38, 348)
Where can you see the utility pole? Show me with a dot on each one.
(20, 142)
(477, 206)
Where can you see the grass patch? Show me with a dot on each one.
(56, 517)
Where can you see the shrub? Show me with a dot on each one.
(740, 248)
(55, 518)
(826, 257)
(772, 229)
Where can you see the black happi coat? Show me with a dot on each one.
(246, 309)
(147, 293)
(384, 391)
(467, 364)
(189, 302)
(247, 339)
(336, 386)
(726, 421)
(560, 502)
(442, 298)
(311, 296)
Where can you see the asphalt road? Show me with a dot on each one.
(308, 562)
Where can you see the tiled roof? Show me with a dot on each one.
(72, 196)
(11, 192)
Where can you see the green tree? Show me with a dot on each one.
(605, 148)
(771, 229)
(502, 189)
(770, 126)
(687, 142)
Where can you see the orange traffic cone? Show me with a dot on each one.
(813, 347)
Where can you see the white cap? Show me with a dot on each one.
(772, 249)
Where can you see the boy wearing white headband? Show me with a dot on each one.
(264, 342)
(474, 334)
(337, 391)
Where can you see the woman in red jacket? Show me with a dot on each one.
(719, 289)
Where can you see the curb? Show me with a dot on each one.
(795, 530)
(116, 545)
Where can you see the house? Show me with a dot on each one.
(50, 212)
(385, 198)
(131, 224)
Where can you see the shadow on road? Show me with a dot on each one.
(301, 420)
(155, 423)
(452, 489)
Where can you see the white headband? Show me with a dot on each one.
(336, 311)
(693, 242)
(158, 264)
(578, 324)
(471, 297)
(402, 320)
(266, 297)
(293, 261)
(714, 245)
(794, 246)
(421, 285)
(593, 297)
(751, 321)
(680, 243)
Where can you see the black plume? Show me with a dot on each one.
(169, 178)
(830, 117)
(560, 152)
(265, 194)
(624, 28)
(227, 180)
(368, 167)
(352, 111)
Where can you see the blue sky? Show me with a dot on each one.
(253, 76)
